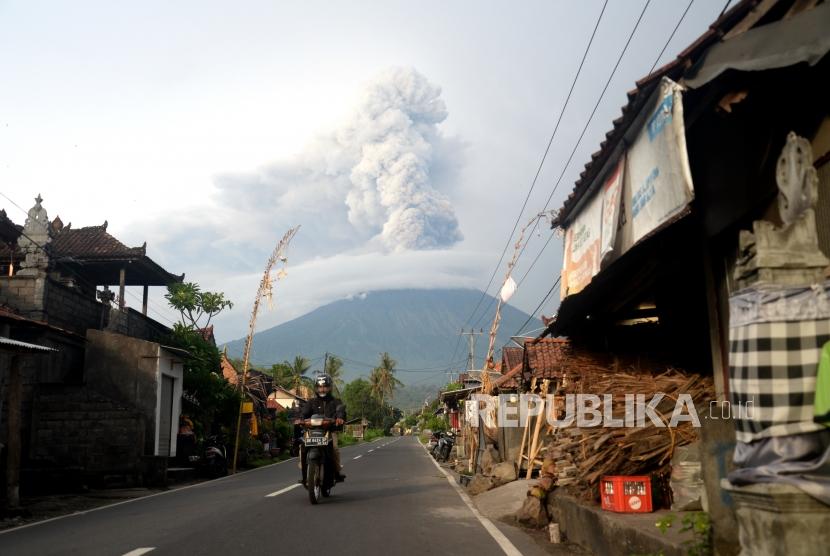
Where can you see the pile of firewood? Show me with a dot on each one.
(583, 455)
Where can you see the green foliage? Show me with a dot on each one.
(361, 402)
(209, 400)
(411, 421)
(193, 304)
(700, 527)
(436, 423)
(346, 440)
(334, 368)
(372, 434)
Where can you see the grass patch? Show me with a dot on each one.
(372, 434)
(346, 440)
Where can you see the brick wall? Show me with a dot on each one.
(75, 429)
(72, 310)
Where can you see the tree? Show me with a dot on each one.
(334, 368)
(282, 374)
(383, 380)
(208, 398)
(193, 304)
(299, 367)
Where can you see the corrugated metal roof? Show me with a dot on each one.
(15, 345)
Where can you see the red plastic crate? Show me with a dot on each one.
(627, 494)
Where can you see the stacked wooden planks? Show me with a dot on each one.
(583, 455)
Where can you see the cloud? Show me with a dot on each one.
(317, 282)
(372, 197)
(369, 182)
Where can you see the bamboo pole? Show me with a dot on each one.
(534, 447)
(265, 288)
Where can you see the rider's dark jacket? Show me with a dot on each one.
(328, 406)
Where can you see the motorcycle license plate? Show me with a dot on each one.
(316, 441)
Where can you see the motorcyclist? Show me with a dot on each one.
(323, 403)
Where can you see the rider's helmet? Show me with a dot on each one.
(322, 385)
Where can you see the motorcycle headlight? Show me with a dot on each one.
(317, 422)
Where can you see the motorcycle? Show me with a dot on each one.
(213, 461)
(445, 446)
(433, 443)
(318, 460)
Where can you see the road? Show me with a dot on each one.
(394, 501)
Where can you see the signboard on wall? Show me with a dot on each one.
(657, 171)
(582, 244)
(650, 184)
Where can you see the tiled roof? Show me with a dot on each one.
(229, 371)
(510, 379)
(639, 96)
(511, 356)
(544, 357)
(92, 242)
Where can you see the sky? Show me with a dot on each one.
(402, 137)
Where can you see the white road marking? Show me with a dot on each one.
(131, 500)
(503, 542)
(372, 450)
(357, 457)
(139, 551)
(283, 490)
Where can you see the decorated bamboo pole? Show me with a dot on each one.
(503, 296)
(265, 290)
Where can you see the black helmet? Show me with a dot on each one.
(322, 382)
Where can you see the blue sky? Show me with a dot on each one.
(208, 128)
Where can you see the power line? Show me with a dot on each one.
(679, 21)
(587, 123)
(544, 299)
(541, 164)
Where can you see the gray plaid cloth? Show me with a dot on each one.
(773, 359)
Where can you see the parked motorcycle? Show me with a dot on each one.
(433, 444)
(213, 461)
(318, 460)
(445, 446)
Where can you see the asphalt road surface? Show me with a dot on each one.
(394, 501)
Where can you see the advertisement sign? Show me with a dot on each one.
(650, 185)
(657, 168)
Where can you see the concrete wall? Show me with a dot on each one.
(125, 369)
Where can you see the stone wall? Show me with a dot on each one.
(82, 434)
(24, 293)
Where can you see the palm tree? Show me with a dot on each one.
(333, 368)
(299, 367)
(383, 380)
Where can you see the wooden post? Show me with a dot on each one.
(144, 299)
(525, 431)
(534, 447)
(13, 451)
(122, 281)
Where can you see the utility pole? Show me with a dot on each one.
(325, 362)
(471, 340)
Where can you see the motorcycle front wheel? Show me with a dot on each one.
(313, 481)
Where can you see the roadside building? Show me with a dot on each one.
(80, 422)
(704, 209)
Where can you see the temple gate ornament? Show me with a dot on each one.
(34, 241)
